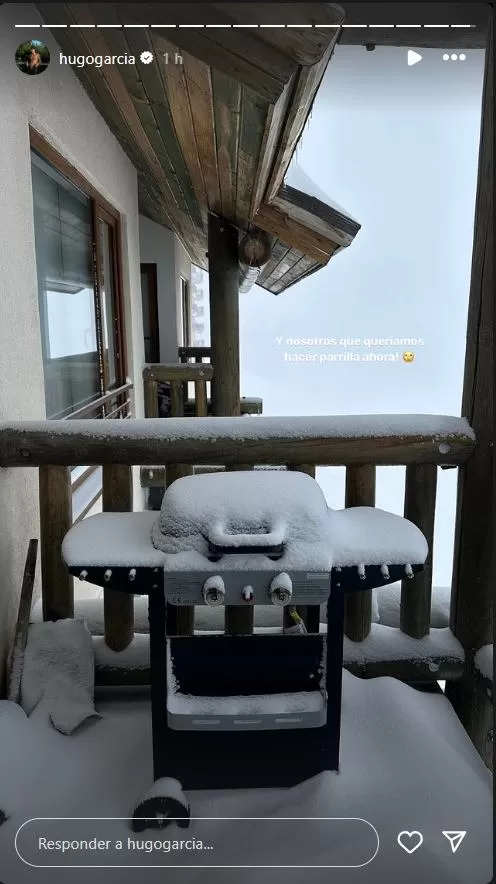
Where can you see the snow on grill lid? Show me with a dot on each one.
(244, 502)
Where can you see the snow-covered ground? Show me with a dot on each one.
(406, 764)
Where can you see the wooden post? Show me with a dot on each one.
(176, 470)
(360, 491)
(474, 557)
(201, 405)
(55, 520)
(118, 607)
(223, 276)
(420, 507)
(151, 397)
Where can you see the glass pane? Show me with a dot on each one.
(62, 218)
(108, 295)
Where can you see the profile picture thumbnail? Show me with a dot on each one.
(32, 57)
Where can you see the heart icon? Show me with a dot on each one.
(410, 841)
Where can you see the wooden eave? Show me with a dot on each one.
(217, 131)
(430, 15)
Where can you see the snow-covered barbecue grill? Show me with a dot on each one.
(242, 539)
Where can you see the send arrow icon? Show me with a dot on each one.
(455, 839)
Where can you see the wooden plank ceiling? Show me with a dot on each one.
(212, 123)
(430, 15)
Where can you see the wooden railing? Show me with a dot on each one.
(114, 404)
(55, 445)
(361, 444)
(176, 375)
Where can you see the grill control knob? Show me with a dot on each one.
(281, 589)
(213, 591)
(247, 593)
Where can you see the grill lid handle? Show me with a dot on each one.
(220, 539)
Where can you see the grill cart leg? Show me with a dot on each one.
(334, 669)
(165, 803)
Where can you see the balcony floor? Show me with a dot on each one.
(406, 764)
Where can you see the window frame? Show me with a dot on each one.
(101, 210)
(186, 312)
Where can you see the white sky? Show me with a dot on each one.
(397, 147)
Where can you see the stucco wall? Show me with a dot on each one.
(159, 246)
(56, 105)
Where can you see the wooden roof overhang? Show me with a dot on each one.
(433, 25)
(216, 131)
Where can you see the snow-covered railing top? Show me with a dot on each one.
(323, 441)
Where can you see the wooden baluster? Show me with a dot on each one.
(150, 394)
(310, 614)
(360, 491)
(239, 619)
(420, 506)
(180, 620)
(201, 407)
(176, 471)
(55, 521)
(118, 607)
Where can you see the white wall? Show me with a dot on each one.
(160, 246)
(56, 105)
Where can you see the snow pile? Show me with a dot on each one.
(58, 674)
(289, 504)
(242, 502)
(406, 764)
(389, 601)
(388, 643)
(367, 535)
(298, 179)
(275, 505)
(484, 661)
(442, 428)
(106, 539)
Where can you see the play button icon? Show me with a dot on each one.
(413, 57)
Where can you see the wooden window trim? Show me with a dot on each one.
(52, 156)
(101, 209)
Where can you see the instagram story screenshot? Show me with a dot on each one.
(247, 449)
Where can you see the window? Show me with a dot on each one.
(186, 312)
(77, 256)
(80, 303)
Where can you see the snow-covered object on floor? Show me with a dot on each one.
(484, 661)
(58, 674)
(165, 800)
